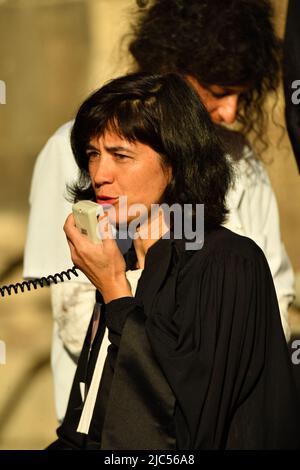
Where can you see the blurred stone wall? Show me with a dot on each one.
(52, 54)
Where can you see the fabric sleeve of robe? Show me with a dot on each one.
(221, 349)
(229, 366)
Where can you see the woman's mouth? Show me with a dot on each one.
(106, 200)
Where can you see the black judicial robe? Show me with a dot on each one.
(198, 358)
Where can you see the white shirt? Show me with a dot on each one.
(90, 400)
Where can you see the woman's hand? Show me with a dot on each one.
(102, 263)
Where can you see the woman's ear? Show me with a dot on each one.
(169, 173)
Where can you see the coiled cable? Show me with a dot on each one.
(42, 282)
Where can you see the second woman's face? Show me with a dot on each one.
(121, 168)
(220, 102)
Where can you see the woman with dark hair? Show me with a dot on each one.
(177, 143)
(228, 49)
(229, 52)
(197, 359)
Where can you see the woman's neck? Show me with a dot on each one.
(148, 234)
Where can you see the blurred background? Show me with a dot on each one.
(52, 54)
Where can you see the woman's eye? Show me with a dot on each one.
(92, 155)
(121, 156)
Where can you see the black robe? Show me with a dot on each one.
(198, 358)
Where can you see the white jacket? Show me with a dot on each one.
(254, 213)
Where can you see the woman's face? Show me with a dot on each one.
(121, 168)
(220, 102)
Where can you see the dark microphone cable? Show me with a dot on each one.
(42, 282)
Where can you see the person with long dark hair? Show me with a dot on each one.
(228, 49)
(197, 358)
(229, 52)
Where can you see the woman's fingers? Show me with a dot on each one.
(104, 228)
(103, 262)
(70, 228)
(76, 241)
(81, 247)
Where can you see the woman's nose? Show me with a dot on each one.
(228, 109)
(102, 171)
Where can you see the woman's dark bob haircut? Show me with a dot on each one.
(165, 113)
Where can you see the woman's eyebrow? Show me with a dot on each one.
(91, 147)
(118, 148)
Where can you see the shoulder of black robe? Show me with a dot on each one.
(223, 350)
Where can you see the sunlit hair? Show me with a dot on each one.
(218, 42)
(163, 112)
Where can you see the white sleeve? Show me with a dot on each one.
(72, 306)
(278, 259)
(63, 370)
(47, 252)
(254, 213)
(46, 249)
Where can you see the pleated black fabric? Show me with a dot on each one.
(223, 350)
(198, 358)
